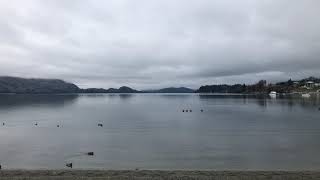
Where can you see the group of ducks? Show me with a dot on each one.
(70, 165)
(101, 125)
(186, 110)
(36, 124)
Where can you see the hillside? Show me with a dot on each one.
(123, 89)
(50, 86)
(171, 90)
(35, 86)
(310, 84)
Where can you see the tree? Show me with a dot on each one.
(290, 82)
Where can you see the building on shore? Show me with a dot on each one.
(310, 84)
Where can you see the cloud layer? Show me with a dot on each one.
(151, 44)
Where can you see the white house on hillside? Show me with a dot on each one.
(310, 84)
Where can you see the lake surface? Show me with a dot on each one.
(150, 131)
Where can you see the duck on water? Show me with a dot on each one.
(69, 165)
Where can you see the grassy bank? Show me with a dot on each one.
(159, 175)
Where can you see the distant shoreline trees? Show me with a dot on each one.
(55, 86)
(262, 87)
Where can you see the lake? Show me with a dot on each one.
(150, 131)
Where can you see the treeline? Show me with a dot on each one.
(53, 86)
(260, 87)
(50, 86)
(123, 89)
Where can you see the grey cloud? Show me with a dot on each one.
(150, 44)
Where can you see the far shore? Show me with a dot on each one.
(157, 174)
(197, 93)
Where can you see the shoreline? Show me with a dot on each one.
(157, 174)
(196, 93)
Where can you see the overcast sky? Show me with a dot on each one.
(158, 43)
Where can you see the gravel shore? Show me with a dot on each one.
(158, 175)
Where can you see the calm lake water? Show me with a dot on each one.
(150, 131)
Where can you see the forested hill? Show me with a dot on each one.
(123, 89)
(310, 84)
(50, 86)
(171, 90)
(35, 86)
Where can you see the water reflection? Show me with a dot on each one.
(125, 96)
(264, 101)
(7, 101)
(176, 96)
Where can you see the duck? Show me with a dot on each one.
(36, 124)
(190, 110)
(100, 125)
(90, 153)
(69, 165)
(201, 110)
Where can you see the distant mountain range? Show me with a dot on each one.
(55, 86)
(123, 89)
(171, 90)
